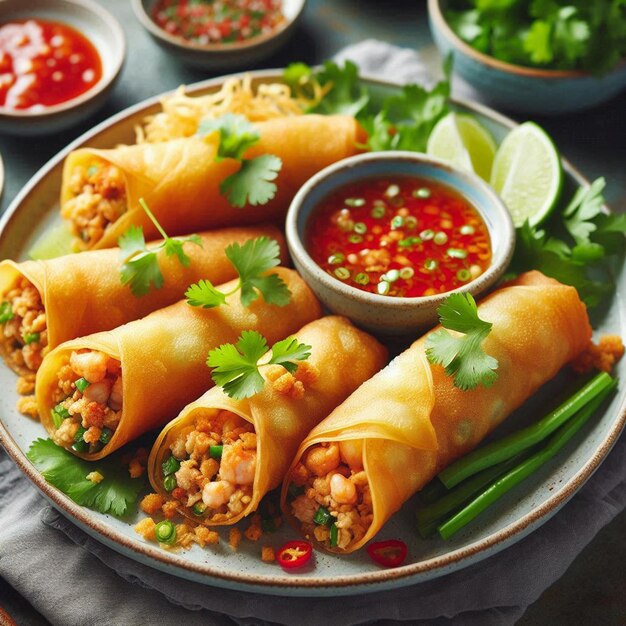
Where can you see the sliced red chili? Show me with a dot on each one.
(390, 553)
(294, 554)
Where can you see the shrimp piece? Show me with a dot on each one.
(216, 494)
(115, 399)
(342, 490)
(98, 392)
(238, 466)
(351, 453)
(320, 460)
(90, 365)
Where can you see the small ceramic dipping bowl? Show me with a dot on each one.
(222, 56)
(518, 88)
(384, 314)
(101, 29)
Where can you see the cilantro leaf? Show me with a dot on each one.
(462, 357)
(204, 294)
(252, 184)
(141, 272)
(345, 95)
(115, 494)
(236, 367)
(237, 134)
(584, 206)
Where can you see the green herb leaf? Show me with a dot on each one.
(204, 294)
(141, 273)
(346, 96)
(115, 494)
(583, 208)
(462, 357)
(237, 134)
(252, 184)
(236, 367)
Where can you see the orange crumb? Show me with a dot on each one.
(169, 509)
(145, 528)
(601, 356)
(185, 536)
(254, 531)
(234, 538)
(205, 536)
(28, 406)
(136, 469)
(151, 504)
(25, 384)
(267, 554)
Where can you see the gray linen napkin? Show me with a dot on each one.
(71, 579)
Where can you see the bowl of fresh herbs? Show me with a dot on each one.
(534, 56)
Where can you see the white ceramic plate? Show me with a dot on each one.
(519, 513)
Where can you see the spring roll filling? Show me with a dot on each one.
(88, 401)
(24, 326)
(333, 492)
(98, 199)
(212, 465)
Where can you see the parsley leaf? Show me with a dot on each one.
(236, 367)
(462, 357)
(252, 184)
(251, 260)
(115, 494)
(237, 134)
(140, 264)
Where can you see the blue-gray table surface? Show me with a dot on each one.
(594, 141)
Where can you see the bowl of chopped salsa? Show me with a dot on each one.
(221, 34)
(59, 60)
(383, 238)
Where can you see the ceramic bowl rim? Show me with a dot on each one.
(505, 231)
(436, 16)
(119, 55)
(216, 48)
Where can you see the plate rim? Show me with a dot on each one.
(138, 550)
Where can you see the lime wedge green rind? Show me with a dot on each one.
(464, 142)
(527, 174)
(52, 243)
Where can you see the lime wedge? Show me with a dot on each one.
(52, 243)
(464, 142)
(527, 174)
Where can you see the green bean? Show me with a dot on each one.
(515, 476)
(515, 443)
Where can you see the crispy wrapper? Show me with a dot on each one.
(180, 179)
(342, 356)
(413, 421)
(82, 293)
(163, 356)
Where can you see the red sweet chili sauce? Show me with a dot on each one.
(44, 63)
(399, 236)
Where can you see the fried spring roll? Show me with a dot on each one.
(400, 428)
(223, 455)
(45, 303)
(180, 179)
(98, 392)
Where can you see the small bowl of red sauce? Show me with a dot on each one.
(383, 238)
(220, 35)
(58, 61)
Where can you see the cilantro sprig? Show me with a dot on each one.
(140, 264)
(462, 356)
(252, 260)
(115, 494)
(236, 367)
(254, 182)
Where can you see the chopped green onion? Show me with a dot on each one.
(334, 536)
(6, 312)
(31, 338)
(378, 212)
(354, 202)
(360, 228)
(80, 445)
(362, 278)
(198, 508)
(342, 273)
(411, 222)
(422, 192)
(170, 466)
(323, 517)
(464, 275)
(165, 532)
(440, 238)
(392, 191)
(456, 253)
(409, 241)
(427, 234)
(430, 265)
(61, 411)
(392, 276)
(105, 436)
(336, 259)
(383, 287)
(215, 452)
(466, 229)
(295, 491)
(82, 384)
(355, 238)
(397, 222)
(170, 483)
(407, 272)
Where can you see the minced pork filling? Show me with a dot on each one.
(88, 401)
(212, 465)
(24, 328)
(98, 199)
(331, 493)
